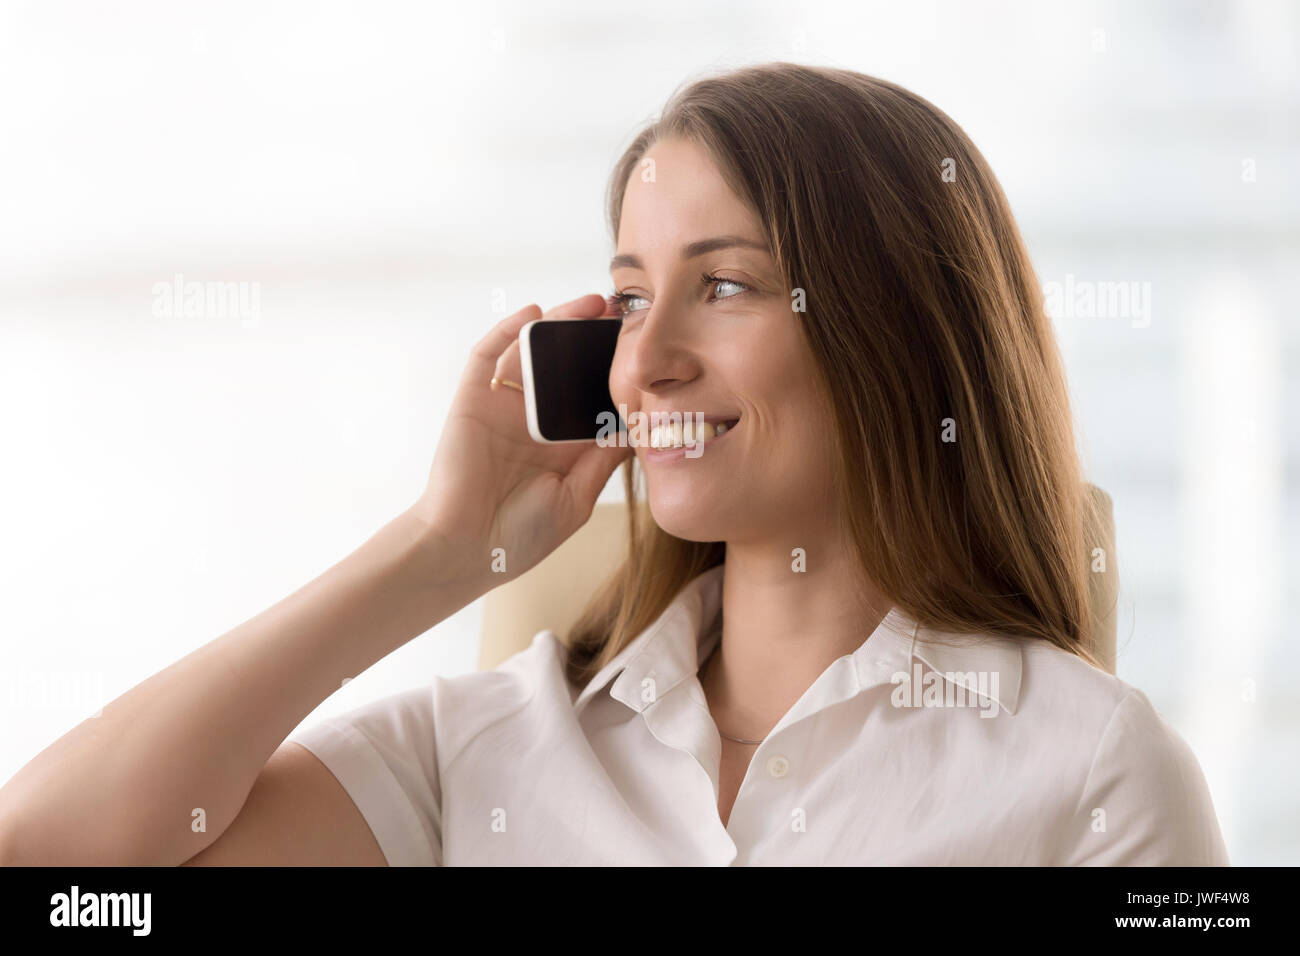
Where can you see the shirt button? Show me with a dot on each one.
(882, 663)
(778, 766)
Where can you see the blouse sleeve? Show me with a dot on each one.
(1145, 801)
(383, 753)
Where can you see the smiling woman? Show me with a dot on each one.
(854, 629)
(829, 254)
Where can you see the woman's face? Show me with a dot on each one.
(728, 347)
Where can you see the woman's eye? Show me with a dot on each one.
(624, 300)
(711, 280)
(725, 282)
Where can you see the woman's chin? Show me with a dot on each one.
(692, 518)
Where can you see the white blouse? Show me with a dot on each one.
(906, 752)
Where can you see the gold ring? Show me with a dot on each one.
(505, 381)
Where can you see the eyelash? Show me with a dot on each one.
(708, 278)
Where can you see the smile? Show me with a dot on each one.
(688, 439)
(680, 434)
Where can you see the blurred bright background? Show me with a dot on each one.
(388, 180)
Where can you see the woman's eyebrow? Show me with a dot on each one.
(692, 250)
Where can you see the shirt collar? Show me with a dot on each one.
(669, 650)
(672, 649)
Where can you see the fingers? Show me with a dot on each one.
(590, 306)
(497, 353)
(483, 358)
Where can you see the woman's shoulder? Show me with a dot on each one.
(467, 705)
(1111, 718)
(1113, 723)
(1056, 682)
(1062, 690)
(1143, 797)
(1058, 704)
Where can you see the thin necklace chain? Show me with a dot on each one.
(738, 740)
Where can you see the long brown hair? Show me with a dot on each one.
(927, 324)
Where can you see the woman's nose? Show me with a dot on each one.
(659, 352)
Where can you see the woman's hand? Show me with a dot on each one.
(491, 485)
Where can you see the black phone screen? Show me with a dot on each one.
(571, 361)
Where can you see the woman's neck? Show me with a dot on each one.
(781, 628)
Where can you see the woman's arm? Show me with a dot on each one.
(191, 742)
(297, 814)
(123, 788)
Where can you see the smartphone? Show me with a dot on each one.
(566, 365)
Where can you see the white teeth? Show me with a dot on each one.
(692, 433)
(676, 435)
(666, 436)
